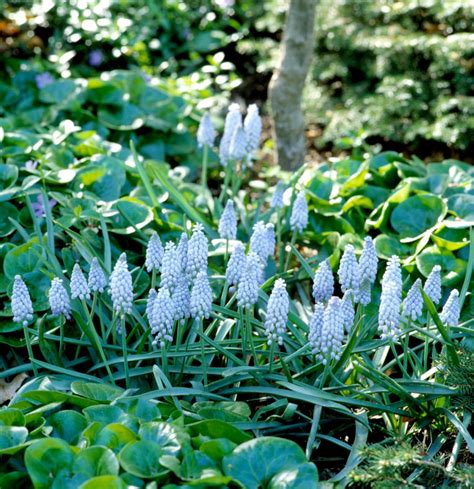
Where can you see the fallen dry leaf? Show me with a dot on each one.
(8, 389)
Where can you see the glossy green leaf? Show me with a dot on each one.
(142, 458)
(96, 461)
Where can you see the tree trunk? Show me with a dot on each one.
(287, 84)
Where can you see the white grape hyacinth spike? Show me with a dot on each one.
(96, 280)
(349, 275)
(154, 253)
(277, 313)
(451, 311)
(412, 306)
(121, 287)
(247, 290)
(59, 299)
(323, 282)
(432, 286)
(201, 297)
(299, 213)
(79, 287)
(232, 121)
(368, 261)
(206, 133)
(235, 265)
(228, 222)
(162, 318)
(22, 307)
(197, 251)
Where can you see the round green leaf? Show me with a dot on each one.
(142, 458)
(97, 392)
(302, 477)
(451, 238)
(11, 417)
(68, 425)
(104, 414)
(462, 205)
(7, 210)
(416, 214)
(115, 436)
(104, 482)
(256, 462)
(387, 246)
(163, 434)
(8, 176)
(452, 268)
(23, 259)
(133, 213)
(95, 461)
(48, 459)
(12, 436)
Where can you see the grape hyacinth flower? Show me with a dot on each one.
(299, 213)
(389, 311)
(347, 310)
(332, 332)
(228, 222)
(79, 286)
(22, 307)
(413, 304)
(277, 313)
(349, 276)
(235, 265)
(59, 299)
(323, 282)
(393, 273)
(31, 165)
(362, 295)
(451, 311)
(277, 197)
(121, 287)
(150, 304)
(181, 298)
(432, 286)
(261, 242)
(315, 328)
(232, 121)
(162, 318)
(247, 290)
(253, 130)
(154, 253)
(271, 239)
(96, 279)
(182, 251)
(170, 267)
(197, 251)
(206, 134)
(368, 261)
(43, 79)
(201, 297)
(238, 144)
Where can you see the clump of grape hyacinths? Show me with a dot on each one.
(121, 287)
(323, 282)
(315, 328)
(170, 267)
(235, 265)
(451, 311)
(389, 311)
(181, 299)
(299, 213)
(277, 313)
(432, 286)
(162, 317)
(59, 299)
(201, 297)
(228, 222)
(79, 286)
(22, 307)
(197, 251)
(247, 290)
(154, 253)
(232, 121)
(206, 134)
(277, 197)
(347, 310)
(96, 280)
(348, 272)
(332, 331)
(413, 304)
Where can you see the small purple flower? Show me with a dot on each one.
(38, 206)
(95, 58)
(31, 165)
(43, 79)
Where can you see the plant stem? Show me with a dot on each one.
(124, 351)
(205, 155)
(227, 175)
(30, 349)
(203, 358)
(248, 316)
(292, 243)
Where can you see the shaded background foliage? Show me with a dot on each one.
(396, 73)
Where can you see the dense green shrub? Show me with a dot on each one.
(402, 71)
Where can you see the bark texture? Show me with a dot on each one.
(287, 84)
